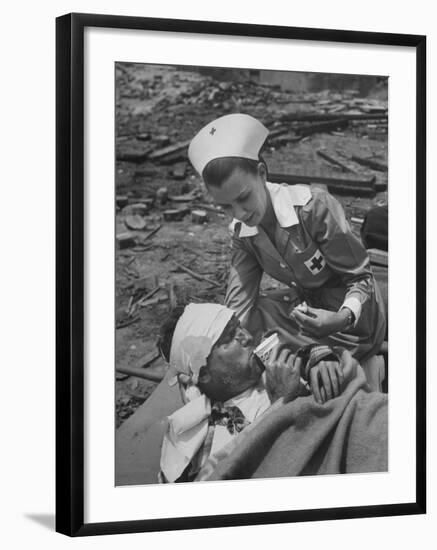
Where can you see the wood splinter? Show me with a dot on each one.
(197, 275)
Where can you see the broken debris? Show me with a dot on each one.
(341, 184)
(199, 216)
(162, 195)
(125, 240)
(175, 214)
(179, 170)
(135, 222)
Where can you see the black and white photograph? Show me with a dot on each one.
(217, 293)
(251, 273)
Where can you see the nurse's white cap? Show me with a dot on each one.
(236, 135)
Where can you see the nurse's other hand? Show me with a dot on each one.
(319, 323)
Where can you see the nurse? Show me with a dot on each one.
(297, 234)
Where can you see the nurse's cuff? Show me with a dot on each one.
(355, 306)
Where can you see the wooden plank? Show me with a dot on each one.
(370, 163)
(147, 359)
(328, 180)
(336, 124)
(335, 159)
(312, 116)
(140, 373)
(197, 275)
(363, 186)
(172, 151)
(187, 197)
(132, 151)
(151, 233)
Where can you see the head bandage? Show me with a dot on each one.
(197, 330)
(237, 135)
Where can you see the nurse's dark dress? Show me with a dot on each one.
(317, 256)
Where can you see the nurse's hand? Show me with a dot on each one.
(319, 323)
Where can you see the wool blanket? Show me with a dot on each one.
(348, 434)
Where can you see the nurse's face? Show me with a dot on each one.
(243, 195)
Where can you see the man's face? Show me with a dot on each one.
(243, 195)
(232, 366)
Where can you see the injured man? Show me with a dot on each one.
(228, 409)
(252, 412)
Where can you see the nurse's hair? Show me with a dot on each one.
(219, 170)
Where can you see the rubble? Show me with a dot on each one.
(170, 154)
(309, 129)
(197, 276)
(179, 170)
(175, 214)
(132, 151)
(162, 195)
(125, 240)
(188, 197)
(152, 232)
(135, 221)
(136, 209)
(341, 185)
(121, 200)
(199, 216)
(122, 323)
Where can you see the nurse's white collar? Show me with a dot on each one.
(284, 198)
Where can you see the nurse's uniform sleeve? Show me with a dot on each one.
(325, 220)
(244, 279)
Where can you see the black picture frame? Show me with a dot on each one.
(70, 273)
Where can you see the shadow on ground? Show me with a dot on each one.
(46, 520)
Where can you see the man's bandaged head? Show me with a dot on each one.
(196, 332)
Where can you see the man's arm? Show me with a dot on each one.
(283, 378)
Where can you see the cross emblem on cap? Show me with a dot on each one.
(316, 263)
(212, 131)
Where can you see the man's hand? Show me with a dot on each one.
(283, 375)
(319, 323)
(326, 380)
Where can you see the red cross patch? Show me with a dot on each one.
(316, 263)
